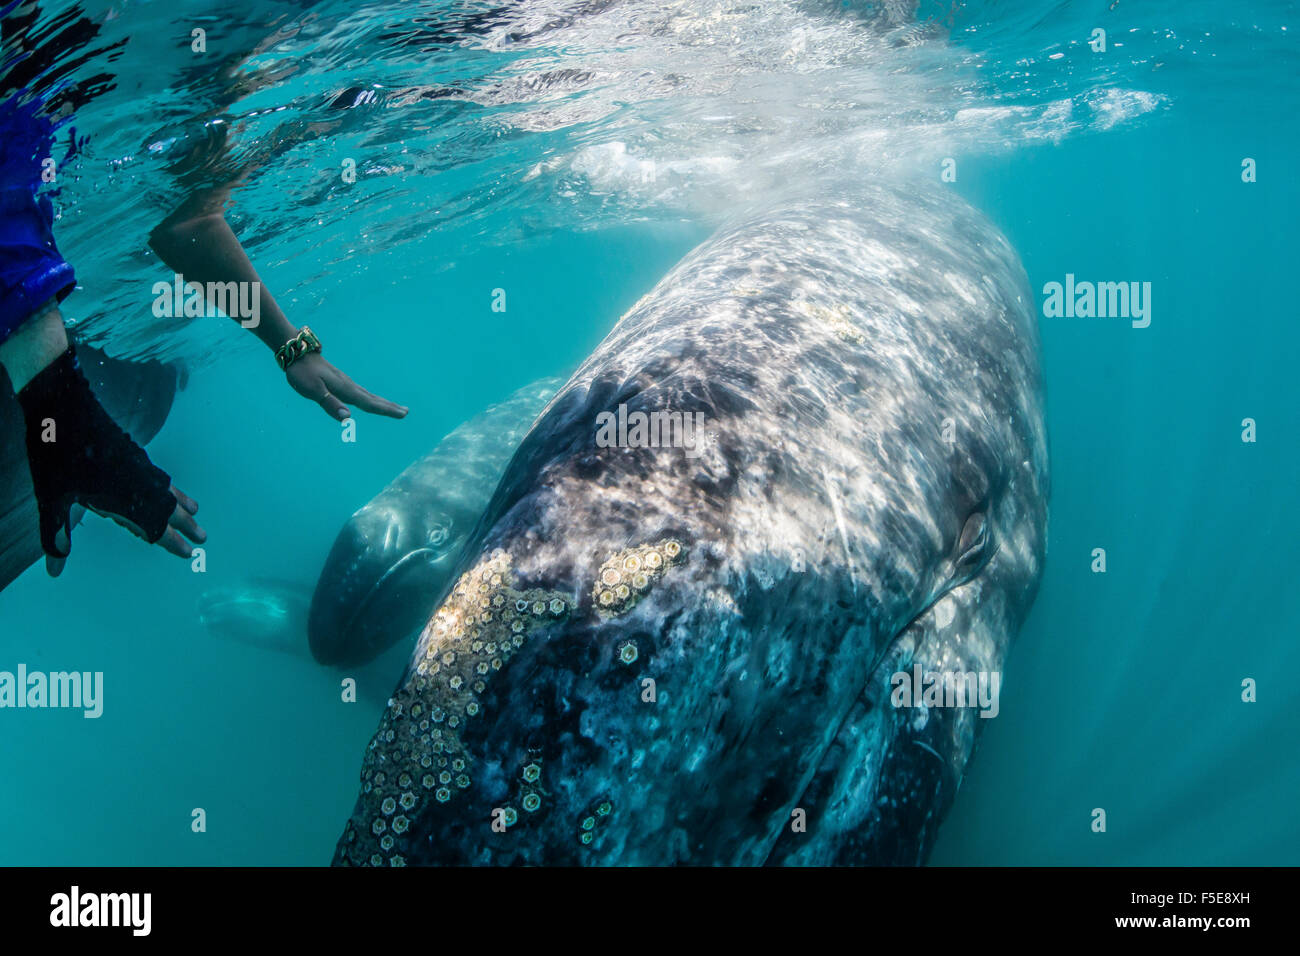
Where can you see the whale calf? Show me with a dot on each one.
(267, 614)
(649, 657)
(389, 563)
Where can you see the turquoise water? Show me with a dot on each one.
(1124, 689)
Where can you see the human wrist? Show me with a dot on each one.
(298, 347)
(34, 345)
(275, 331)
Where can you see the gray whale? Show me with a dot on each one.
(652, 658)
(389, 563)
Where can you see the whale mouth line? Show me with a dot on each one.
(397, 566)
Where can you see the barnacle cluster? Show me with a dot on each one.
(838, 317)
(530, 783)
(417, 753)
(593, 820)
(625, 577)
(840, 321)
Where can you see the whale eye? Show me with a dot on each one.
(973, 543)
(440, 533)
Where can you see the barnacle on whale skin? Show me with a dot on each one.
(627, 576)
(460, 649)
(839, 318)
(530, 786)
(593, 819)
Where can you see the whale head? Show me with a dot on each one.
(391, 562)
(387, 566)
(655, 657)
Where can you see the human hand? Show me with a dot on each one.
(79, 456)
(314, 378)
(181, 523)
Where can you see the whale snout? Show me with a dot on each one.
(379, 585)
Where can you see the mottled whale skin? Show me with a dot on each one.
(392, 558)
(873, 497)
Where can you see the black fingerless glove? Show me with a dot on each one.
(91, 461)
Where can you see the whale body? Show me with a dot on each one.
(651, 657)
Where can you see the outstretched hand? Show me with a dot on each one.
(79, 457)
(314, 378)
(180, 525)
